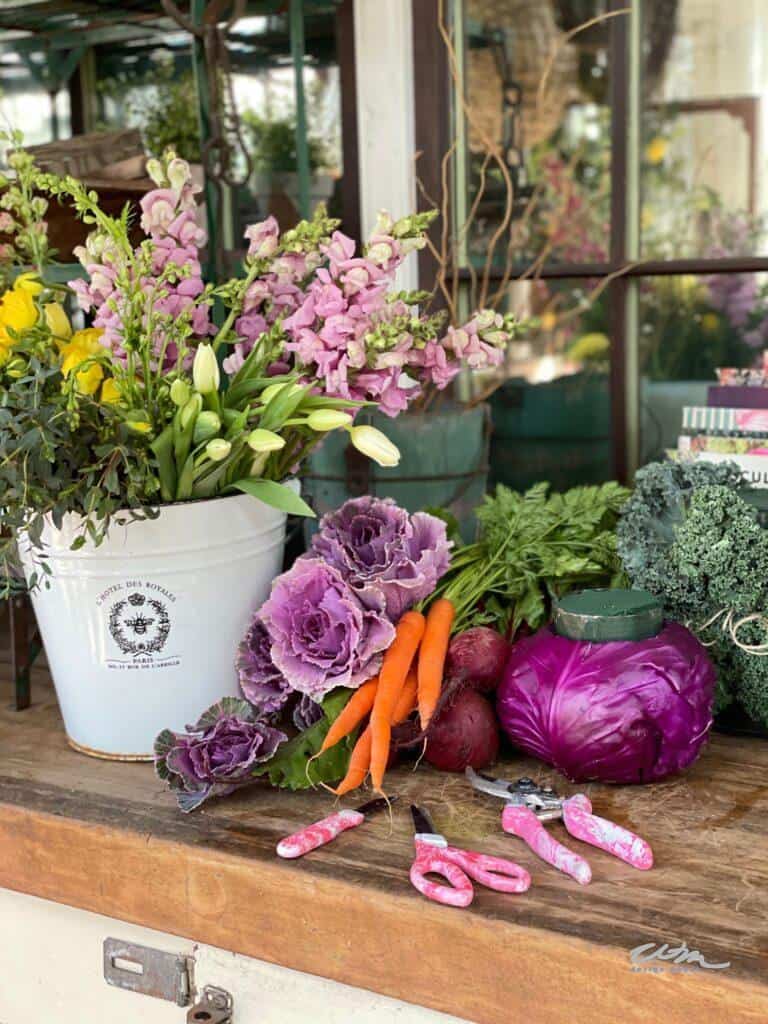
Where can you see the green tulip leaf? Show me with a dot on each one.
(276, 495)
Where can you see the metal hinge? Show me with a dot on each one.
(214, 1007)
(169, 976)
(149, 972)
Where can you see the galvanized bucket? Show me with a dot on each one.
(444, 462)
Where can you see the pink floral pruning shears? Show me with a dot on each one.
(458, 867)
(528, 805)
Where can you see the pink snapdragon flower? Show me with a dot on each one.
(173, 285)
(262, 238)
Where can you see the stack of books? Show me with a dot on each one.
(733, 426)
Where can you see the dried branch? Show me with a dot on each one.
(562, 41)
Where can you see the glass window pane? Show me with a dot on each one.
(546, 118)
(25, 104)
(552, 416)
(689, 328)
(150, 83)
(704, 146)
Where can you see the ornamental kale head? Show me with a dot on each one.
(216, 755)
(648, 524)
(721, 552)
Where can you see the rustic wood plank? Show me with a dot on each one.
(106, 837)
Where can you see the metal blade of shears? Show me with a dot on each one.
(422, 823)
(500, 788)
(378, 804)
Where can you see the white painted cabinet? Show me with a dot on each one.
(51, 970)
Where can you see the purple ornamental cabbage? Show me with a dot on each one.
(392, 560)
(622, 711)
(217, 755)
(322, 635)
(262, 683)
(306, 713)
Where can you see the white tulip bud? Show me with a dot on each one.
(323, 420)
(375, 445)
(180, 392)
(218, 449)
(265, 441)
(207, 425)
(205, 370)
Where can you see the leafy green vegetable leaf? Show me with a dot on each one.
(288, 768)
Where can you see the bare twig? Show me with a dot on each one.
(562, 41)
(490, 146)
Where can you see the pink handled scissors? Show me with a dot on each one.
(528, 805)
(458, 867)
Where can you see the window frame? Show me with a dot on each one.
(433, 120)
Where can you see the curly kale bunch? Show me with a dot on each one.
(719, 558)
(687, 536)
(649, 520)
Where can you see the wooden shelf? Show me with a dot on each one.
(107, 838)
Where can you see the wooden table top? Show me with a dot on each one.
(107, 838)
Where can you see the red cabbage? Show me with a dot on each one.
(623, 711)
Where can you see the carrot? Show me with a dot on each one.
(432, 652)
(360, 761)
(355, 710)
(397, 662)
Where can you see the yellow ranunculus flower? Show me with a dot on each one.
(29, 282)
(656, 150)
(80, 347)
(110, 393)
(58, 321)
(710, 322)
(18, 310)
(5, 349)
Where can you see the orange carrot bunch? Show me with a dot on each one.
(411, 676)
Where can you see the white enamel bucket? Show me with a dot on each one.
(141, 632)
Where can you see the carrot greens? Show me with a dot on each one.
(534, 547)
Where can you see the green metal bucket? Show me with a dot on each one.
(558, 431)
(444, 462)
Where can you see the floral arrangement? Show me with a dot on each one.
(160, 400)
(320, 635)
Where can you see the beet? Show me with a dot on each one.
(464, 733)
(477, 657)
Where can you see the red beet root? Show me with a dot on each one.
(464, 733)
(477, 657)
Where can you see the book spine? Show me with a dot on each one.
(702, 419)
(737, 397)
(724, 445)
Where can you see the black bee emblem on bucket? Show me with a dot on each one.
(139, 625)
